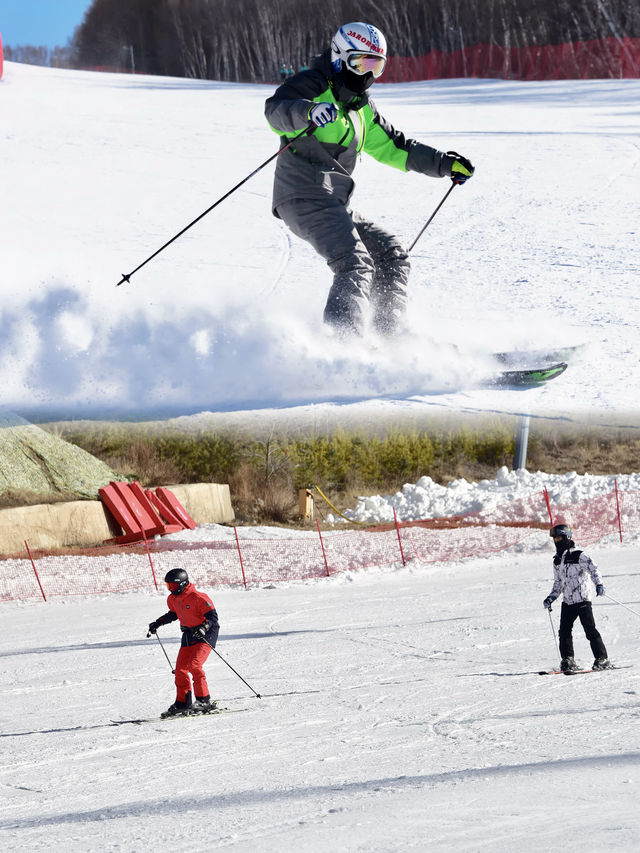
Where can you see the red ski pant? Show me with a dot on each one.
(191, 660)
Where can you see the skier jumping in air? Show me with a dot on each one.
(199, 626)
(572, 571)
(313, 183)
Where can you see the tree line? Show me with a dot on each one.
(250, 40)
(58, 57)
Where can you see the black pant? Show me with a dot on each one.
(568, 615)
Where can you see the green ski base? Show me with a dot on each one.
(530, 376)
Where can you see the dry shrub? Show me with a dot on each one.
(592, 453)
(280, 504)
(256, 501)
(141, 461)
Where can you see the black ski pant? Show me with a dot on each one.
(370, 267)
(584, 612)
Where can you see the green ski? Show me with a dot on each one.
(529, 376)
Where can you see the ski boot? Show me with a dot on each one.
(203, 705)
(602, 663)
(568, 665)
(179, 708)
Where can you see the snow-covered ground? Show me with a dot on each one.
(400, 710)
(538, 249)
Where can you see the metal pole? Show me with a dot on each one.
(306, 131)
(232, 669)
(163, 649)
(430, 219)
(553, 631)
(635, 612)
(522, 440)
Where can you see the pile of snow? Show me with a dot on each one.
(426, 499)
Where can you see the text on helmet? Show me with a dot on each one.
(374, 48)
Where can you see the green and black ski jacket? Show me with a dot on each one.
(320, 166)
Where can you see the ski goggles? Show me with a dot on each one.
(363, 63)
(172, 586)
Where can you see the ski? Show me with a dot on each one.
(580, 671)
(140, 720)
(527, 377)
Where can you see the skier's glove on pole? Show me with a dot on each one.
(547, 603)
(599, 589)
(457, 167)
(322, 114)
(153, 628)
(198, 633)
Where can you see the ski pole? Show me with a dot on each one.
(553, 631)
(430, 219)
(127, 276)
(621, 604)
(163, 649)
(232, 669)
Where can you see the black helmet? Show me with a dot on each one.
(561, 530)
(176, 580)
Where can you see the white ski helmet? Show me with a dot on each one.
(360, 48)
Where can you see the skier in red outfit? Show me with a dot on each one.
(199, 626)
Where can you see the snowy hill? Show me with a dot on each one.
(538, 249)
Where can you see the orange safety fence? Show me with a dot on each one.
(579, 60)
(248, 562)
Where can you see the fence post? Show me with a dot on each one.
(35, 571)
(153, 574)
(618, 509)
(395, 521)
(324, 553)
(546, 497)
(244, 580)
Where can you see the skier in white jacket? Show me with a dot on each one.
(573, 572)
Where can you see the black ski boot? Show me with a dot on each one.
(568, 665)
(179, 708)
(602, 663)
(203, 705)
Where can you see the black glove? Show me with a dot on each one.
(153, 627)
(198, 633)
(457, 167)
(599, 589)
(548, 602)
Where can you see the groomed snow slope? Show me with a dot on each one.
(538, 249)
(400, 710)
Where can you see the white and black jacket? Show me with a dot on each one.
(572, 576)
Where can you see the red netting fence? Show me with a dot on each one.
(246, 562)
(580, 60)
(604, 58)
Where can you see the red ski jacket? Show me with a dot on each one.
(191, 607)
